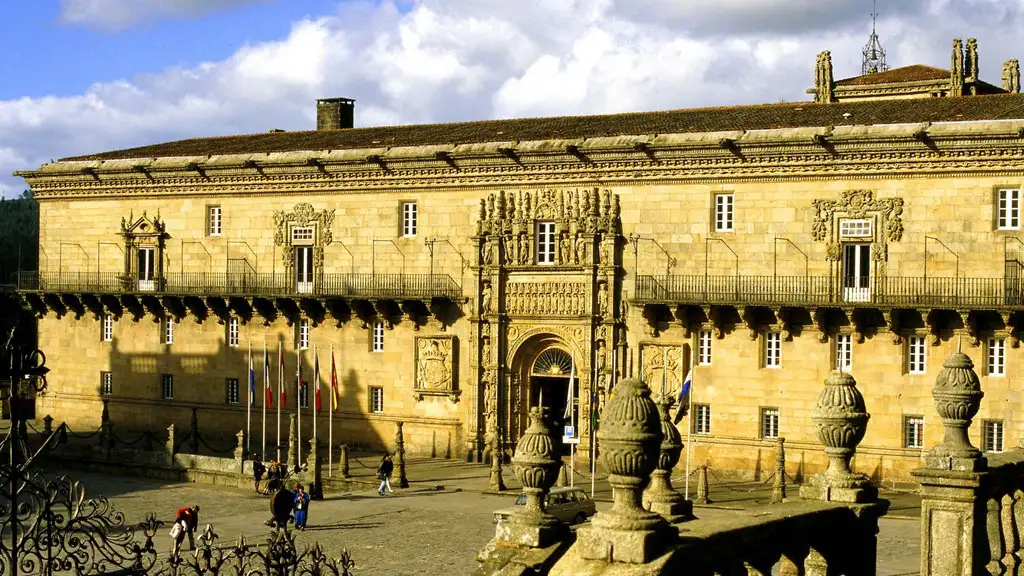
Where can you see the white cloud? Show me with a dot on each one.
(445, 60)
(116, 15)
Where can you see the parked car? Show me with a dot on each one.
(569, 505)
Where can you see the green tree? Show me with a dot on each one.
(19, 235)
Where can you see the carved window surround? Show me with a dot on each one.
(140, 234)
(885, 214)
(303, 215)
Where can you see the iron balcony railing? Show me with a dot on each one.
(820, 290)
(370, 286)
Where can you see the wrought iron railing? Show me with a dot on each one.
(390, 285)
(820, 290)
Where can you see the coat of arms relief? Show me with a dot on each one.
(436, 367)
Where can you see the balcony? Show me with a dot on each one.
(266, 285)
(814, 291)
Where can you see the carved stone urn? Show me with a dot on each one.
(957, 395)
(629, 443)
(841, 420)
(536, 467)
(660, 496)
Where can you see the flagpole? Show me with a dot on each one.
(593, 420)
(248, 405)
(280, 396)
(330, 420)
(298, 402)
(266, 386)
(572, 421)
(689, 421)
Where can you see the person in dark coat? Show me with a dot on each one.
(188, 517)
(273, 477)
(281, 508)
(384, 474)
(257, 474)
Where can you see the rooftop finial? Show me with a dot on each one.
(874, 54)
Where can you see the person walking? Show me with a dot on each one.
(301, 507)
(281, 509)
(273, 476)
(384, 474)
(188, 518)
(257, 473)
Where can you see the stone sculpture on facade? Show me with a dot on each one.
(841, 420)
(660, 496)
(435, 367)
(957, 395)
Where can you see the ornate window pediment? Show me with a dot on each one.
(303, 226)
(857, 214)
(143, 252)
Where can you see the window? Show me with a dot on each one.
(106, 383)
(304, 269)
(916, 355)
(302, 235)
(701, 419)
(146, 269)
(993, 440)
(376, 400)
(913, 431)
(704, 348)
(378, 336)
(304, 395)
(408, 219)
(855, 228)
(996, 365)
(1008, 215)
(545, 242)
(232, 390)
(844, 352)
(724, 212)
(107, 332)
(769, 423)
(167, 331)
(773, 350)
(233, 332)
(167, 387)
(213, 227)
(302, 335)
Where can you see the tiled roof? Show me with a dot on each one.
(915, 73)
(764, 116)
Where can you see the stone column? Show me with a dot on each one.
(953, 505)
(403, 482)
(343, 460)
(496, 483)
(314, 470)
(169, 447)
(660, 496)
(194, 431)
(703, 494)
(535, 466)
(240, 454)
(779, 485)
(293, 443)
(629, 444)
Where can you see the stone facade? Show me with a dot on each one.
(640, 259)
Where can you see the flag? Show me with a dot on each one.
(316, 380)
(280, 368)
(684, 390)
(252, 380)
(334, 384)
(266, 376)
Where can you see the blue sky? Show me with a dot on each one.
(84, 76)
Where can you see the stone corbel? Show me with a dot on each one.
(892, 323)
(933, 326)
(711, 313)
(750, 319)
(782, 324)
(683, 316)
(821, 323)
(970, 327)
(1011, 329)
(858, 321)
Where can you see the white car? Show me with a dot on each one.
(569, 505)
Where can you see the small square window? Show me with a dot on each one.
(376, 400)
(233, 332)
(302, 235)
(545, 244)
(913, 432)
(996, 360)
(167, 330)
(704, 348)
(302, 334)
(409, 219)
(769, 423)
(702, 419)
(724, 212)
(106, 383)
(993, 440)
(107, 333)
(844, 352)
(213, 220)
(773, 350)
(167, 387)
(233, 392)
(916, 355)
(378, 336)
(1008, 209)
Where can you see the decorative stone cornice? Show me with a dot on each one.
(991, 147)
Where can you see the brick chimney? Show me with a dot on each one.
(334, 113)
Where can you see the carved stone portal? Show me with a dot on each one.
(304, 216)
(886, 215)
(435, 367)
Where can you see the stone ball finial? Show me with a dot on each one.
(535, 464)
(957, 395)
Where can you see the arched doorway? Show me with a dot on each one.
(543, 369)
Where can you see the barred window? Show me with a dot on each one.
(844, 352)
(232, 390)
(233, 332)
(769, 423)
(108, 328)
(1009, 209)
(724, 212)
(704, 348)
(409, 218)
(376, 400)
(996, 365)
(913, 431)
(167, 387)
(773, 350)
(167, 331)
(378, 336)
(702, 419)
(993, 440)
(106, 383)
(916, 355)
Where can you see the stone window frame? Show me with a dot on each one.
(107, 328)
(887, 225)
(233, 332)
(837, 342)
(767, 360)
(719, 216)
(909, 365)
(765, 430)
(167, 386)
(705, 347)
(993, 435)
(377, 336)
(233, 395)
(702, 422)
(303, 334)
(913, 431)
(548, 256)
(214, 220)
(376, 398)
(408, 227)
(106, 383)
(143, 233)
(995, 366)
(167, 331)
(997, 224)
(303, 215)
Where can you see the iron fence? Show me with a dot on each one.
(823, 290)
(391, 285)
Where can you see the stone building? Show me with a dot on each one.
(461, 272)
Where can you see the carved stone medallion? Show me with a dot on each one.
(435, 367)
